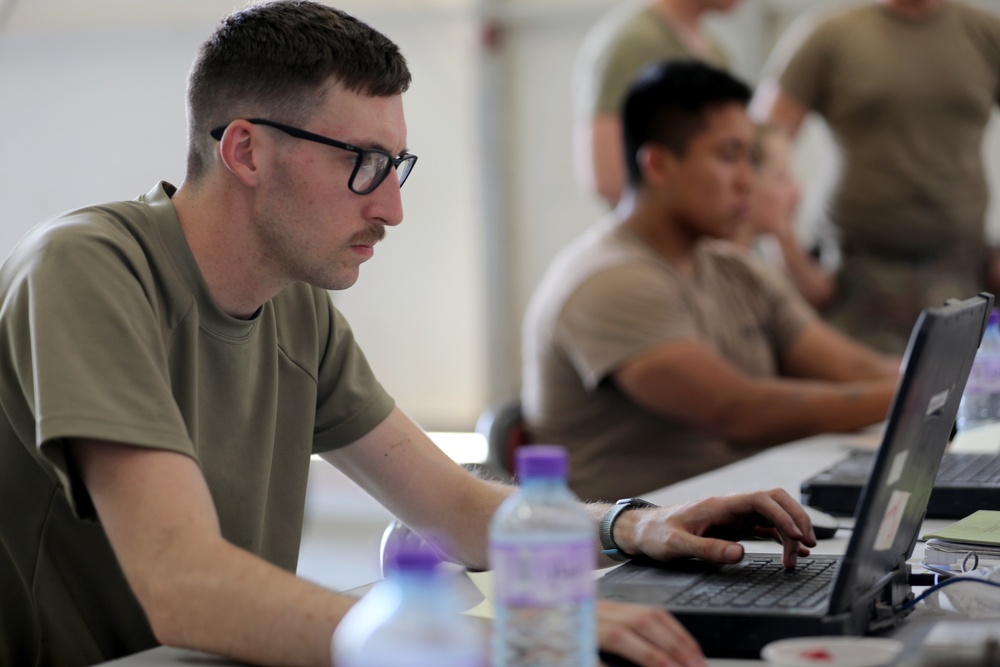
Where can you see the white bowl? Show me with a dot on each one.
(832, 651)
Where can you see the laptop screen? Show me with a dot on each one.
(891, 509)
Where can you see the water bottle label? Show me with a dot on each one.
(417, 656)
(984, 378)
(542, 575)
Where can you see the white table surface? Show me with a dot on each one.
(785, 466)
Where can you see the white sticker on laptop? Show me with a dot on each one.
(891, 520)
(938, 401)
(896, 471)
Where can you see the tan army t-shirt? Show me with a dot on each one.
(907, 101)
(609, 297)
(108, 331)
(617, 48)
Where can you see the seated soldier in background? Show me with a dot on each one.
(769, 232)
(655, 353)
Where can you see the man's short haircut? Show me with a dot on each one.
(273, 60)
(667, 102)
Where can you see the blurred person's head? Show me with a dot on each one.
(776, 192)
(669, 102)
(720, 5)
(688, 141)
(926, 5)
(699, 7)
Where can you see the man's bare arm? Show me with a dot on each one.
(399, 465)
(816, 285)
(770, 104)
(821, 352)
(198, 590)
(690, 382)
(600, 157)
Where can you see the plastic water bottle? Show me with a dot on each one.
(410, 619)
(543, 551)
(981, 400)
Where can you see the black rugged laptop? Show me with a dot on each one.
(734, 610)
(966, 482)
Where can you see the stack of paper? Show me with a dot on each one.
(965, 545)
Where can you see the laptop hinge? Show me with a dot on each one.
(890, 599)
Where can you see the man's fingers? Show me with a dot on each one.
(785, 514)
(717, 551)
(683, 544)
(702, 529)
(792, 510)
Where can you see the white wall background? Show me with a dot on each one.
(91, 109)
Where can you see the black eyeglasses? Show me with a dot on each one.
(370, 167)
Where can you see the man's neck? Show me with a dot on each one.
(684, 14)
(225, 256)
(913, 9)
(655, 228)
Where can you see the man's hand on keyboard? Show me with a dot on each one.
(709, 528)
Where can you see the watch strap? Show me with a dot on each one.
(608, 545)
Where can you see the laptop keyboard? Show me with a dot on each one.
(969, 468)
(764, 583)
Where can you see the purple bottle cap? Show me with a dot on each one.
(994, 318)
(411, 557)
(541, 461)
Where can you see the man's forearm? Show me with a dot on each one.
(232, 603)
(783, 410)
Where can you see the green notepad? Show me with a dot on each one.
(982, 527)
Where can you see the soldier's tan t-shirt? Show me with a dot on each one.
(107, 331)
(609, 297)
(907, 101)
(625, 40)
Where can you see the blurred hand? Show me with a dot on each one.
(993, 271)
(647, 636)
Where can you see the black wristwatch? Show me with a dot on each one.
(608, 545)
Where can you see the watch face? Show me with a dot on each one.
(635, 502)
(611, 549)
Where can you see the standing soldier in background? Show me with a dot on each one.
(617, 47)
(906, 88)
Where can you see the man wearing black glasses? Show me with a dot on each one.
(169, 365)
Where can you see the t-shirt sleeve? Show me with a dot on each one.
(986, 33)
(620, 61)
(617, 314)
(789, 311)
(351, 401)
(800, 62)
(90, 359)
(615, 74)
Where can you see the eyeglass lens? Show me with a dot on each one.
(372, 168)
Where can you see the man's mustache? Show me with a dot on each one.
(371, 236)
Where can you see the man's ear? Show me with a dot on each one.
(241, 150)
(657, 164)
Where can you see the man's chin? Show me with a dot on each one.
(336, 283)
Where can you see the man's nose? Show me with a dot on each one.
(386, 202)
(745, 175)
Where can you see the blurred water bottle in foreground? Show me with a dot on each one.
(410, 619)
(981, 401)
(543, 553)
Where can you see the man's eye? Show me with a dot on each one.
(372, 161)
